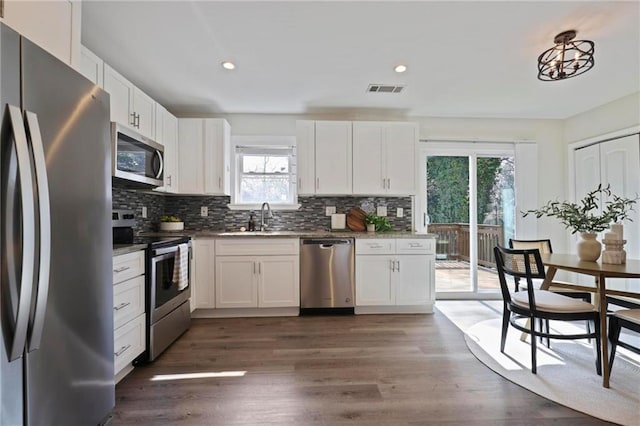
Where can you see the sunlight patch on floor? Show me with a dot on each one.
(205, 375)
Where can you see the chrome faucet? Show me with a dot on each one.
(263, 223)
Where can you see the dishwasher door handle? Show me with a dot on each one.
(326, 246)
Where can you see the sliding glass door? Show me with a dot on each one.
(468, 201)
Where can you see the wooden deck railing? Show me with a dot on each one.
(453, 239)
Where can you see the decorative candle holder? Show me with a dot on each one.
(613, 249)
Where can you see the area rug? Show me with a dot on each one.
(566, 372)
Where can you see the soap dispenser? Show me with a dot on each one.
(252, 222)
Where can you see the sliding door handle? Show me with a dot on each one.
(20, 300)
(44, 240)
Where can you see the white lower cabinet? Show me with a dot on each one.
(395, 275)
(246, 277)
(203, 291)
(128, 311)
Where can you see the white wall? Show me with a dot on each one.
(620, 114)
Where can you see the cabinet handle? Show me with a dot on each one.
(317, 183)
(133, 119)
(393, 265)
(375, 246)
(122, 350)
(121, 269)
(388, 183)
(138, 121)
(169, 180)
(259, 268)
(299, 183)
(384, 183)
(415, 245)
(254, 268)
(398, 265)
(121, 306)
(219, 182)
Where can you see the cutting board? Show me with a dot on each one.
(355, 220)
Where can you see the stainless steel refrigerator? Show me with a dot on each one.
(56, 293)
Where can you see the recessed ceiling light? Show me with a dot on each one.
(400, 68)
(228, 65)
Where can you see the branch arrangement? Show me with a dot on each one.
(584, 216)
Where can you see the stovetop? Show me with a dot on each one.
(155, 242)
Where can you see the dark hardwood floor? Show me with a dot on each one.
(331, 370)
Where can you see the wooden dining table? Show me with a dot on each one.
(601, 271)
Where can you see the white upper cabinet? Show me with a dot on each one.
(305, 156)
(91, 66)
(167, 134)
(203, 156)
(333, 153)
(384, 158)
(129, 105)
(53, 25)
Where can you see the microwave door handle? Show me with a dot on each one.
(44, 247)
(161, 161)
(17, 341)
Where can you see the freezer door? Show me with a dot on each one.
(11, 244)
(69, 375)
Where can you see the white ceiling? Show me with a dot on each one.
(465, 59)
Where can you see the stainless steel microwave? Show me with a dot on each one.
(136, 160)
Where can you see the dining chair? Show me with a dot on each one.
(623, 318)
(544, 246)
(535, 304)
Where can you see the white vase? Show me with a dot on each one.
(371, 227)
(171, 226)
(588, 247)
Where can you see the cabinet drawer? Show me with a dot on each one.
(129, 342)
(375, 246)
(256, 246)
(127, 266)
(128, 300)
(416, 246)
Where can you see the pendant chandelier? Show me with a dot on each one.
(568, 58)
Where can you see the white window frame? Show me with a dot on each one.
(262, 143)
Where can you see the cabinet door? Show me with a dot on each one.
(236, 282)
(412, 279)
(49, 24)
(190, 156)
(145, 109)
(367, 159)
(203, 291)
(400, 145)
(279, 283)
(121, 93)
(92, 67)
(620, 168)
(170, 142)
(373, 281)
(587, 174)
(217, 136)
(333, 157)
(305, 156)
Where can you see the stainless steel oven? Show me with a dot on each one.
(169, 314)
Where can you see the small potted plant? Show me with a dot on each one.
(171, 223)
(584, 217)
(376, 223)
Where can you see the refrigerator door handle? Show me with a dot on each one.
(44, 246)
(18, 340)
(161, 166)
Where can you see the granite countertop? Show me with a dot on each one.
(293, 234)
(119, 249)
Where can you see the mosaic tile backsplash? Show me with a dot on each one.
(310, 217)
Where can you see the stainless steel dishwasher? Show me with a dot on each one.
(327, 277)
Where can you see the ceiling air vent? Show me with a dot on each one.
(383, 88)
